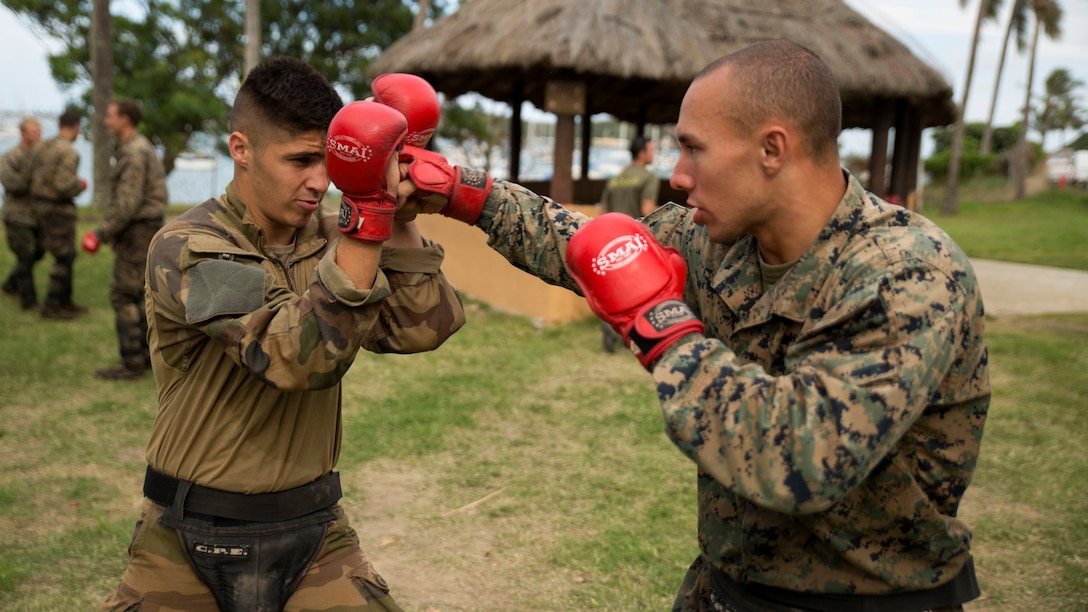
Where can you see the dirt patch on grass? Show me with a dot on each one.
(439, 555)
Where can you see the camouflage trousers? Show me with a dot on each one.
(58, 230)
(25, 242)
(159, 577)
(127, 292)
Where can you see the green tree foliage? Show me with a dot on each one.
(1004, 137)
(973, 163)
(478, 134)
(184, 60)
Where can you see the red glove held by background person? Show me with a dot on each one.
(90, 242)
(363, 139)
(453, 191)
(633, 283)
(415, 99)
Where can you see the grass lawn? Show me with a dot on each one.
(1050, 229)
(519, 468)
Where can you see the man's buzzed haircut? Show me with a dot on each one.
(781, 79)
(284, 93)
(130, 108)
(69, 118)
(27, 123)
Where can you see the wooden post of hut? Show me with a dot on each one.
(878, 156)
(566, 99)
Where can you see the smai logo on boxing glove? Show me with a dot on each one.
(668, 313)
(420, 138)
(618, 253)
(348, 148)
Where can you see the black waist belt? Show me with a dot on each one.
(259, 507)
(962, 588)
(71, 201)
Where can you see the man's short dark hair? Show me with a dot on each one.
(130, 108)
(69, 118)
(779, 78)
(284, 93)
(638, 145)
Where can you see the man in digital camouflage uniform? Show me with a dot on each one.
(20, 223)
(632, 192)
(835, 403)
(138, 200)
(54, 185)
(257, 307)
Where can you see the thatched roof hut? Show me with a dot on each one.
(634, 59)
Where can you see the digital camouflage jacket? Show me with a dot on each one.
(836, 416)
(248, 352)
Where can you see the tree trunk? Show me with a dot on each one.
(988, 133)
(253, 35)
(1020, 189)
(101, 94)
(951, 194)
(421, 15)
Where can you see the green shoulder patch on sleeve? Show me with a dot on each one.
(223, 287)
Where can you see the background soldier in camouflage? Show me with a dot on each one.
(54, 184)
(835, 405)
(632, 192)
(256, 308)
(20, 223)
(138, 201)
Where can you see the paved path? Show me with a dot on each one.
(1013, 288)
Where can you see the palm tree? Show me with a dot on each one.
(1058, 106)
(1048, 16)
(1018, 22)
(986, 10)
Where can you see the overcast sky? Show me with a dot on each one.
(938, 31)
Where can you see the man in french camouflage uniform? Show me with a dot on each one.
(818, 353)
(20, 223)
(256, 309)
(54, 185)
(138, 200)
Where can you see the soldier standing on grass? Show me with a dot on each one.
(257, 307)
(138, 200)
(20, 223)
(818, 353)
(54, 185)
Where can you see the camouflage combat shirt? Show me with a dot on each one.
(248, 353)
(138, 185)
(835, 417)
(15, 177)
(54, 170)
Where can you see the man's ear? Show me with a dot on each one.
(775, 145)
(240, 149)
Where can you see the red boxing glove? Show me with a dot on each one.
(633, 283)
(363, 138)
(415, 99)
(453, 191)
(90, 242)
